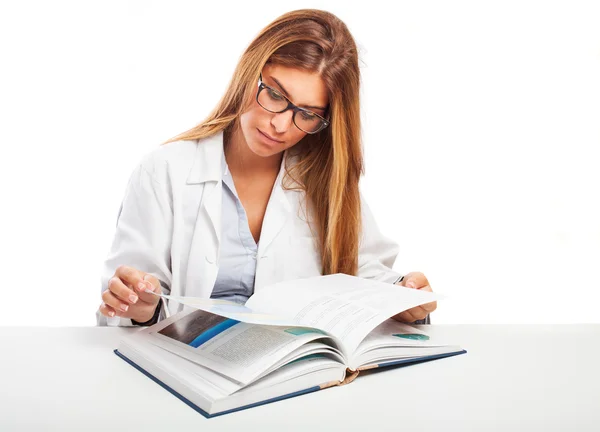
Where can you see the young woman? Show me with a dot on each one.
(265, 189)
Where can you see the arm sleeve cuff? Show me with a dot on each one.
(425, 320)
(152, 320)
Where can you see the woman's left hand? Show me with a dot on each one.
(418, 281)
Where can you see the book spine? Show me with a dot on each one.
(350, 376)
(329, 384)
(364, 368)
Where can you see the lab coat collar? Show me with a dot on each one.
(204, 168)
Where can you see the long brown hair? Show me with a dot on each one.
(329, 163)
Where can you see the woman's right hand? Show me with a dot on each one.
(126, 296)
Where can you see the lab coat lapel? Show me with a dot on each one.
(202, 202)
(277, 213)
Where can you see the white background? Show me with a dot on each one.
(481, 132)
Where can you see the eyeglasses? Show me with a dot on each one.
(273, 101)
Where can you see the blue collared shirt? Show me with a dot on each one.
(237, 256)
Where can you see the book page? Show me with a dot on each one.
(393, 340)
(345, 306)
(229, 309)
(213, 384)
(235, 349)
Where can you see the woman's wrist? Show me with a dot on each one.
(153, 320)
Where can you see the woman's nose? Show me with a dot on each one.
(282, 121)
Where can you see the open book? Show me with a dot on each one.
(290, 338)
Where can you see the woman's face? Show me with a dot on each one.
(304, 89)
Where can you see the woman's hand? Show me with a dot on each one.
(126, 296)
(418, 281)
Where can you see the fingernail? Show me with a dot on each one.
(111, 313)
(142, 286)
(149, 286)
(124, 307)
(410, 284)
(133, 298)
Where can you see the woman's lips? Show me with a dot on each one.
(269, 137)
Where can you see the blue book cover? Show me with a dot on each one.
(350, 378)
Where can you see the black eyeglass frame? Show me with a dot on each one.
(290, 105)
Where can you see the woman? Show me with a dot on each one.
(265, 189)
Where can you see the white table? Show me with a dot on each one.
(513, 378)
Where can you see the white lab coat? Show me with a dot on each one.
(169, 225)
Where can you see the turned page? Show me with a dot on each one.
(346, 307)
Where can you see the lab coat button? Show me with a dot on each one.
(210, 259)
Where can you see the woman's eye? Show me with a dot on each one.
(308, 116)
(274, 95)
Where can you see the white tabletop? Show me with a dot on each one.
(513, 378)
